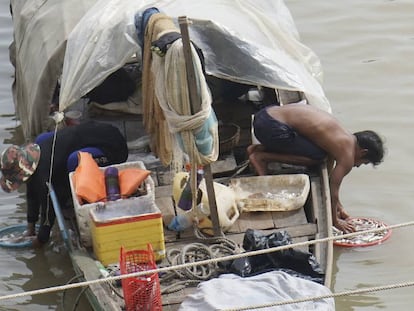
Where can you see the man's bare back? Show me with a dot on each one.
(318, 126)
(302, 134)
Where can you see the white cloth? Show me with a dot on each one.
(172, 95)
(231, 291)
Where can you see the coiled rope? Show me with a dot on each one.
(192, 253)
(232, 257)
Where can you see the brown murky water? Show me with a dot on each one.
(366, 50)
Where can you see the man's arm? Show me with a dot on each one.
(338, 173)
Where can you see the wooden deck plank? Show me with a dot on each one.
(295, 217)
(306, 230)
(252, 220)
(315, 195)
(163, 191)
(86, 266)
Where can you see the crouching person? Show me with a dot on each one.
(33, 163)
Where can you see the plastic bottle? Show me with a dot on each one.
(112, 184)
(227, 209)
(181, 222)
(102, 269)
(185, 202)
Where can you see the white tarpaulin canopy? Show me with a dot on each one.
(246, 41)
(84, 41)
(40, 32)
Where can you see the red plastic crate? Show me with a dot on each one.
(143, 292)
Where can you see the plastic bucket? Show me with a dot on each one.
(227, 209)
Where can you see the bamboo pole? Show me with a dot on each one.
(196, 107)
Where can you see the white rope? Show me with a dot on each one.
(57, 117)
(226, 258)
(345, 293)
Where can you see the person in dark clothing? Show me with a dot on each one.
(31, 163)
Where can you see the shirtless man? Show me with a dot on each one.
(304, 135)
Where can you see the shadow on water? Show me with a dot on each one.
(47, 268)
(36, 269)
(356, 301)
(16, 135)
(350, 303)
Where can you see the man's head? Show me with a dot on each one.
(373, 146)
(18, 163)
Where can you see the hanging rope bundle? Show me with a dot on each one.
(192, 132)
(154, 119)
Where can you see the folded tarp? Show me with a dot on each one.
(232, 292)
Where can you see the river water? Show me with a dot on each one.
(366, 49)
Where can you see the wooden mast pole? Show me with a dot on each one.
(196, 107)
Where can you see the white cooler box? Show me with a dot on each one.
(82, 212)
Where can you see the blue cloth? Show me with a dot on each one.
(42, 137)
(279, 137)
(141, 21)
(73, 158)
(204, 139)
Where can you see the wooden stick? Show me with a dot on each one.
(189, 66)
(196, 107)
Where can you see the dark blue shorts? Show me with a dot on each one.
(281, 138)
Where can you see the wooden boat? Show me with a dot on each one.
(80, 75)
(311, 222)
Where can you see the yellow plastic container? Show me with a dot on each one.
(113, 227)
